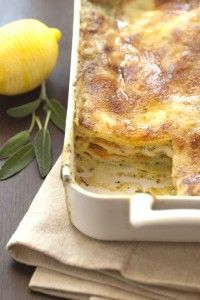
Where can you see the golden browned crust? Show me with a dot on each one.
(138, 80)
(186, 163)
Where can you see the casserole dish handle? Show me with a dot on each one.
(145, 212)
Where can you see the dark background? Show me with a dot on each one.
(17, 193)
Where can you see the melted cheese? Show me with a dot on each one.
(138, 80)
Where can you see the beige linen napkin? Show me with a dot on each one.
(71, 265)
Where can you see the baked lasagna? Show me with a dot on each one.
(137, 96)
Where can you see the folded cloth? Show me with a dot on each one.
(72, 265)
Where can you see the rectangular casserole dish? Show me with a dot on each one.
(120, 216)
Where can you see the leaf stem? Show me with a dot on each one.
(43, 92)
(32, 123)
(47, 119)
(39, 124)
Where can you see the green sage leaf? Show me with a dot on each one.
(18, 161)
(24, 110)
(14, 143)
(42, 146)
(58, 113)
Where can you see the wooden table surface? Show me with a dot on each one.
(17, 193)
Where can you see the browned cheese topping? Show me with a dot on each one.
(139, 80)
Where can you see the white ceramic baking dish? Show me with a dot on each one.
(138, 217)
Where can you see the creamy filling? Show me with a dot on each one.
(105, 167)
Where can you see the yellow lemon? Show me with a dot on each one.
(28, 54)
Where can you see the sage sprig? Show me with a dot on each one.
(18, 161)
(42, 146)
(24, 110)
(13, 144)
(26, 145)
(58, 113)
